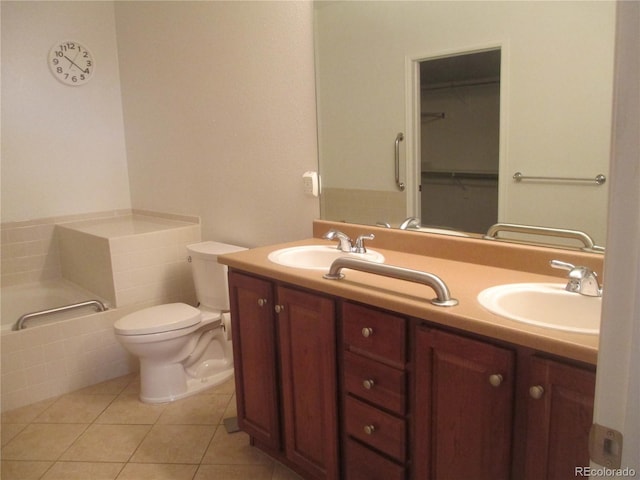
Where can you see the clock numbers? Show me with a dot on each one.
(71, 63)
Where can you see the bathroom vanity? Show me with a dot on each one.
(363, 378)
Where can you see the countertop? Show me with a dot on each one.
(465, 280)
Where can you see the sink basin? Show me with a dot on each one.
(545, 305)
(317, 257)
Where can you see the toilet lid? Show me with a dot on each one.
(161, 318)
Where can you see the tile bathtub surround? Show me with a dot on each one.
(30, 249)
(50, 360)
(104, 432)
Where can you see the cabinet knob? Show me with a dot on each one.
(537, 391)
(279, 308)
(369, 429)
(262, 302)
(496, 379)
(367, 332)
(368, 383)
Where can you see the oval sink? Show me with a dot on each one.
(317, 257)
(545, 305)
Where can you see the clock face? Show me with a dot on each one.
(71, 63)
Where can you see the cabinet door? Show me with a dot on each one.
(254, 356)
(463, 408)
(308, 367)
(560, 414)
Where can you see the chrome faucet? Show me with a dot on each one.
(345, 244)
(410, 222)
(582, 280)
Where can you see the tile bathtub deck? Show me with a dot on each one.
(104, 432)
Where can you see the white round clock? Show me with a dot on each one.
(71, 63)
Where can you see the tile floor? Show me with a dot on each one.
(104, 432)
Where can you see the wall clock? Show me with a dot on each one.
(71, 63)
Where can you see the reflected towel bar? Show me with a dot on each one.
(598, 179)
(586, 240)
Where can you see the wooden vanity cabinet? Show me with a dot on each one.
(559, 415)
(463, 402)
(286, 379)
(374, 393)
(478, 416)
(416, 402)
(253, 326)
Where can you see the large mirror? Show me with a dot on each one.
(434, 110)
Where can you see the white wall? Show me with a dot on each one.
(219, 114)
(63, 149)
(618, 377)
(219, 107)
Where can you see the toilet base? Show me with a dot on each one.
(210, 364)
(176, 384)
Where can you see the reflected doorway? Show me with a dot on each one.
(459, 141)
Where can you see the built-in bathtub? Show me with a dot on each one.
(138, 260)
(20, 301)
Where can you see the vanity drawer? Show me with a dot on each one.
(376, 428)
(364, 464)
(379, 334)
(375, 382)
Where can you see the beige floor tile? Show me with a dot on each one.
(114, 386)
(133, 388)
(107, 443)
(232, 409)
(75, 408)
(127, 409)
(234, 472)
(19, 470)
(154, 471)
(42, 441)
(280, 472)
(234, 449)
(196, 410)
(8, 431)
(174, 444)
(83, 471)
(28, 413)
(227, 387)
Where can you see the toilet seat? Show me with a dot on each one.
(158, 319)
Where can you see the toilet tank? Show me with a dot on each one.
(209, 276)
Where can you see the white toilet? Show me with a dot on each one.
(183, 349)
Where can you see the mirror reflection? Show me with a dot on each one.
(459, 140)
(529, 85)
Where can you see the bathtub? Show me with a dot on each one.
(128, 262)
(18, 300)
(56, 353)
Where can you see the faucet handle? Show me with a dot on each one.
(582, 280)
(359, 245)
(561, 265)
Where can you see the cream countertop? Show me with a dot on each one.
(465, 281)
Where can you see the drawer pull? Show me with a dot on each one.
(369, 429)
(495, 379)
(368, 384)
(279, 308)
(367, 332)
(536, 392)
(262, 302)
